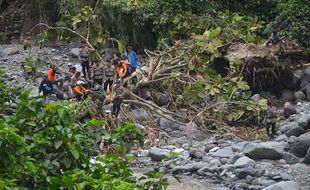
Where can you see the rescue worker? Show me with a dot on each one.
(79, 91)
(52, 77)
(273, 39)
(51, 74)
(121, 69)
(46, 86)
(117, 101)
(83, 57)
(132, 57)
(66, 88)
(109, 75)
(271, 120)
(97, 73)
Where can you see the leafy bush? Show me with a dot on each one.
(45, 147)
(293, 20)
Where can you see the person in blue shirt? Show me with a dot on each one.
(132, 57)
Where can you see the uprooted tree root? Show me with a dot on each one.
(265, 68)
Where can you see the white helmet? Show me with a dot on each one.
(79, 82)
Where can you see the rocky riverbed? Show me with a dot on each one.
(210, 161)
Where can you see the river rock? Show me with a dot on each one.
(167, 124)
(75, 52)
(196, 153)
(224, 153)
(304, 120)
(299, 95)
(305, 79)
(300, 146)
(242, 173)
(208, 147)
(157, 154)
(285, 176)
(307, 157)
(57, 58)
(289, 109)
(10, 51)
(283, 185)
(295, 131)
(286, 126)
(244, 162)
(265, 150)
(141, 114)
(290, 158)
(193, 167)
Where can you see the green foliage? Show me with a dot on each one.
(45, 147)
(293, 20)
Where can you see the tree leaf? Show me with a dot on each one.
(58, 143)
(75, 153)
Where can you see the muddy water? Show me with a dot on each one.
(187, 182)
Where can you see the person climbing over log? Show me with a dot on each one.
(119, 91)
(97, 73)
(270, 120)
(83, 57)
(80, 92)
(109, 76)
(132, 57)
(273, 39)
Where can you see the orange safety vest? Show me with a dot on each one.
(50, 76)
(123, 66)
(80, 90)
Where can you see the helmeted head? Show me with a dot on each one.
(79, 83)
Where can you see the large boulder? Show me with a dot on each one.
(283, 185)
(299, 95)
(292, 129)
(265, 150)
(224, 153)
(305, 81)
(75, 52)
(287, 95)
(290, 158)
(295, 131)
(301, 145)
(157, 154)
(10, 51)
(289, 109)
(244, 162)
(304, 120)
(307, 157)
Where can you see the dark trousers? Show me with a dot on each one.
(116, 105)
(108, 82)
(85, 68)
(273, 129)
(98, 81)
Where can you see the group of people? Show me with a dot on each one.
(97, 78)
